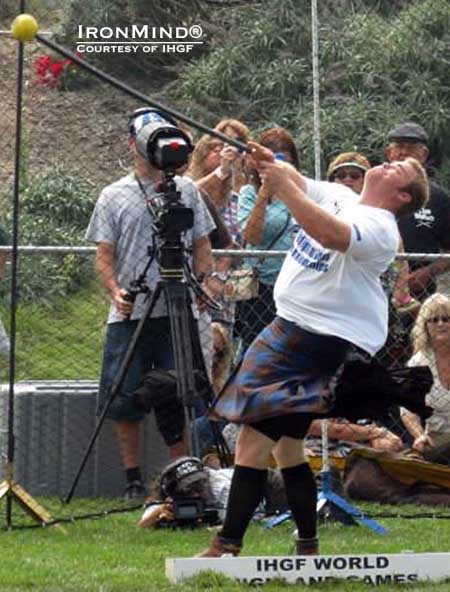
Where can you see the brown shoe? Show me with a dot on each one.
(307, 546)
(220, 549)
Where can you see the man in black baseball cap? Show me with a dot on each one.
(427, 230)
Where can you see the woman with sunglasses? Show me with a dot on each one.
(349, 169)
(431, 346)
(218, 170)
(266, 224)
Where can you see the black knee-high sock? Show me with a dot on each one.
(301, 493)
(247, 488)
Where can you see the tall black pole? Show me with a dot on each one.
(14, 262)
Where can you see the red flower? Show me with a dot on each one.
(56, 68)
(43, 61)
(48, 71)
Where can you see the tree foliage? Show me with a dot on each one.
(381, 62)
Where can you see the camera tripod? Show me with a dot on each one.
(174, 285)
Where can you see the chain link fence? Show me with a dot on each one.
(59, 348)
(62, 307)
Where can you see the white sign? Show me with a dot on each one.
(369, 569)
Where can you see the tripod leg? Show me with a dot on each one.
(12, 491)
(199, 364)
(178, 303)
(116, 386)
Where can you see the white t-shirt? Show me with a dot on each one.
(438, 398)
(122, 219)
(340, 294)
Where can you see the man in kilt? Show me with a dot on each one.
(329, 299)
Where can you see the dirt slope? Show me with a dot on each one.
(84, 130)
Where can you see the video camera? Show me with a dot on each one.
(186, 483)
(191, 513)
(166, 147)
(159, 140)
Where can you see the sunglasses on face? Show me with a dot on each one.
(353, 175)
(442, 319)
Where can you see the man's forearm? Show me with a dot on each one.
(347, 431)
(412, 423)
(419, 278)
(105, 264)
(440, 266)
(296, 177)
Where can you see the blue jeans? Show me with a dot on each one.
(205, 435)
(154, 349)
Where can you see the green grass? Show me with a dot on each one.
(62, 340)
(111, 554)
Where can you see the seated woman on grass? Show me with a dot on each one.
(431, 344)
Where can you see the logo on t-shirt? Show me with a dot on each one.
(424, 217)
(309, 255)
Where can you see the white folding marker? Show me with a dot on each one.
(370, 569)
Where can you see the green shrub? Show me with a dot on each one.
(55, 210)
(58, 197)
(381, 62)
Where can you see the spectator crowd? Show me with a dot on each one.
(234, 208)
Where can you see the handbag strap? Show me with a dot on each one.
(277, 238)
(280, 234)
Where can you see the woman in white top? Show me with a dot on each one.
(431, 343)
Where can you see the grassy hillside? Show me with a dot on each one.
(63, 340)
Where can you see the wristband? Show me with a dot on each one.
(219, 173)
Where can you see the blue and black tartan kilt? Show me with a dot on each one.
(285, 370)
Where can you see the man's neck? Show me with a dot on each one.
(147, 172)
(375, 200)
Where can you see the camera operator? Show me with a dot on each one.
(122, 226)
(204, 486)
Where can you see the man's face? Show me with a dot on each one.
(142, 163)
(401, 149)
(393, 176)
